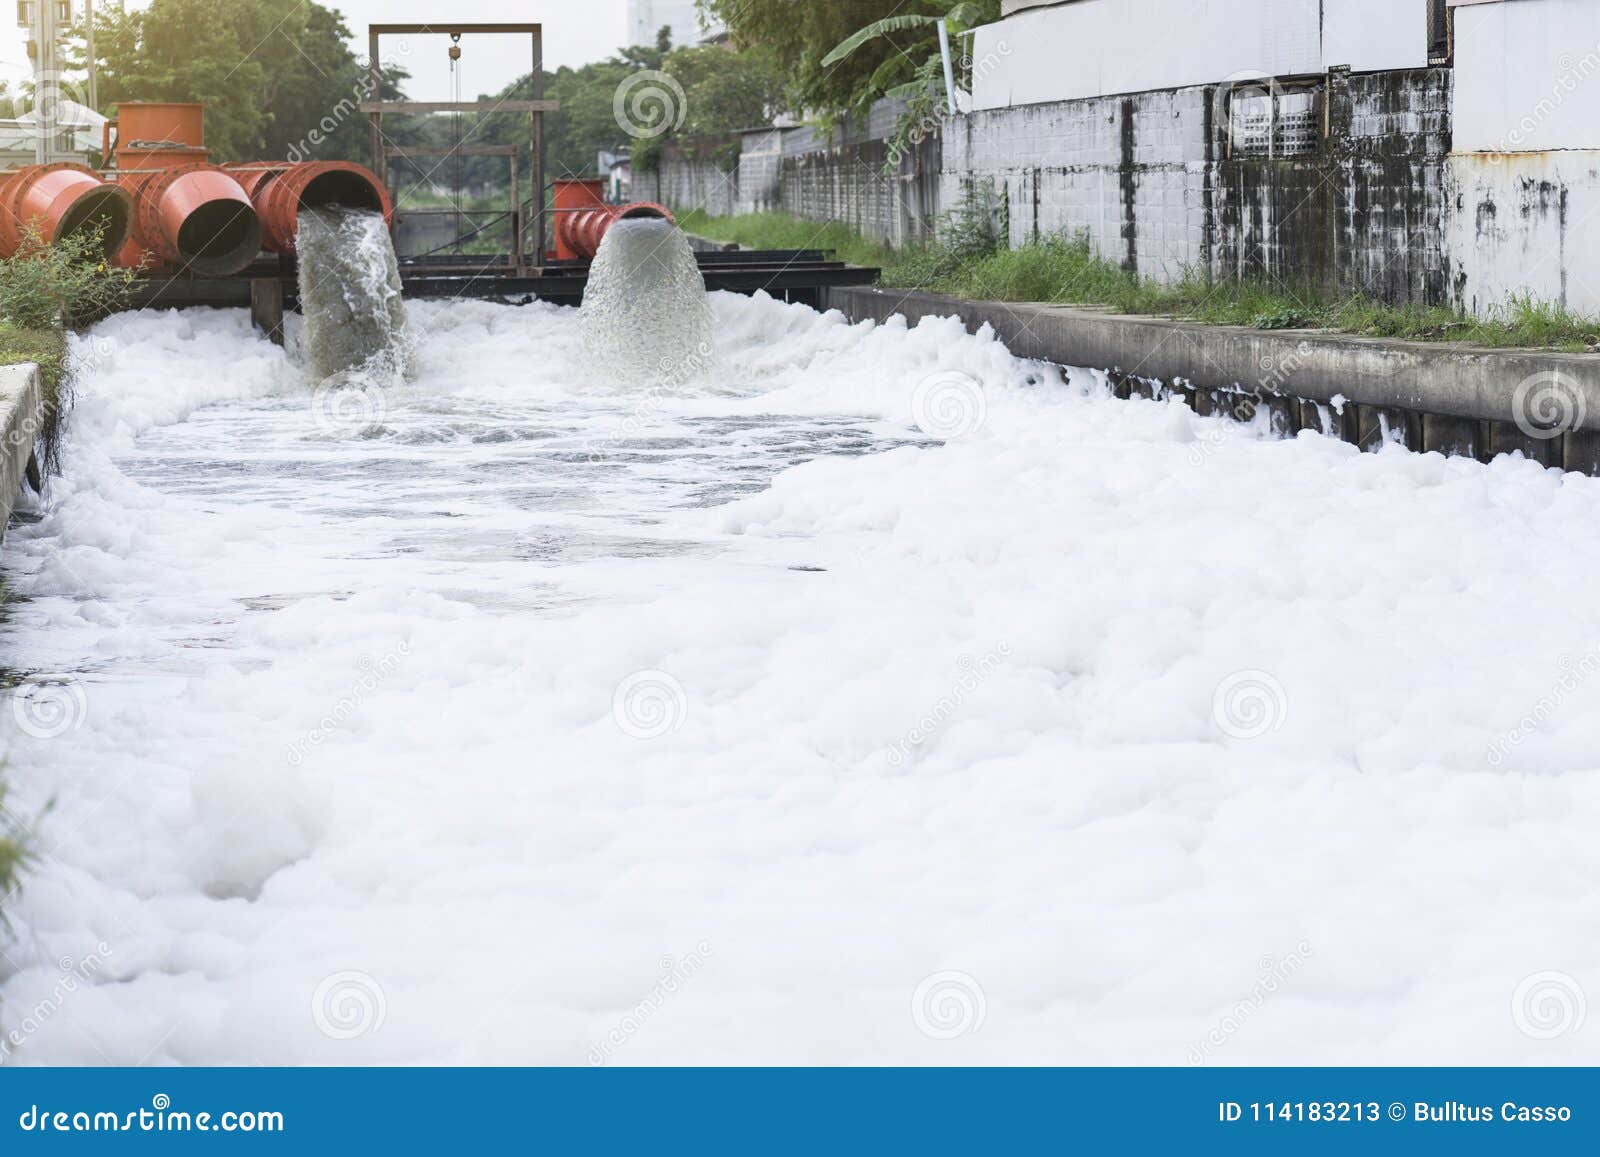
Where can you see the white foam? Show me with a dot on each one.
(349, 700)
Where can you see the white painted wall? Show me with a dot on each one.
(1373, 35)
(1527, 76)
(1087, 48)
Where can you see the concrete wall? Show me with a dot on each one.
(1525, 223)
(694, 175)
(1150, 179)
(22, 418)
(1525, 180)
(844, 176)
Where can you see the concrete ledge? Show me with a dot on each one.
(1423, 377)
(21, 419)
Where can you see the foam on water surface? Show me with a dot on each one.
(1028, 735)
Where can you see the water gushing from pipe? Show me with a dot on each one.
(355, 319)
(645, 321)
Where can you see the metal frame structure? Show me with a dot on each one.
(535, 108)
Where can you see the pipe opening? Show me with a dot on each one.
(341, 187)
(106, 211)
(642, 211)
(220, 237)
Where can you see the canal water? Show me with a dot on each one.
(871, 696)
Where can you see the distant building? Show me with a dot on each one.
(647, 17)
(77, 136)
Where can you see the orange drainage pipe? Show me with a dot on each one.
(582, 218)
(194, 217)
(280, 189)
(61, 200)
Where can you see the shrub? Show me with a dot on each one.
(67, 283)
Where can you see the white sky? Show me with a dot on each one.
(575, 32)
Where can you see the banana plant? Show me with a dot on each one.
(920, 88)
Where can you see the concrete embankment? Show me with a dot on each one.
(1428, 396)
(21, 418)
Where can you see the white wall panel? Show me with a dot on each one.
(1373, 35)
(1527, 76)
(1086, 48)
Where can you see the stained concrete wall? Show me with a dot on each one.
(696, 175)
(1525, 223)
(21, 420)
(851, 175)
(1150, 179)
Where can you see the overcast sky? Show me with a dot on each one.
(575, 32)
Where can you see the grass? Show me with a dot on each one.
(12, 851)
(780, 231)
(1065, 270)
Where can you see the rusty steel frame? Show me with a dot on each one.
(535, 108)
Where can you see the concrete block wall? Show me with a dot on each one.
(1150, 180)
(696, 177)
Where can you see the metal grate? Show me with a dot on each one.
(1438, 31)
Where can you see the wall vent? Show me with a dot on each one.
(1266, 121)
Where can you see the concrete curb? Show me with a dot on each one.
(21, 419)
(1440, 378)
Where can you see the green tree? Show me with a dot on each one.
(891, 44)
(268, 71)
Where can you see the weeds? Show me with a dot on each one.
(1064, 269)
(68, 282)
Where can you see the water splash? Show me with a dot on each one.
(645, 321)
(355, 319)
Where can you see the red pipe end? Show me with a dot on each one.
(280, 190)
(62, 200)
(195, 217)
